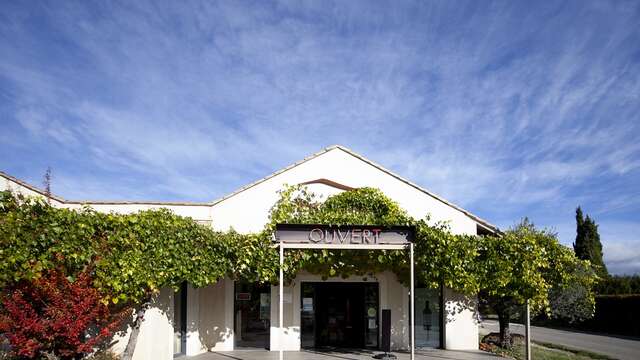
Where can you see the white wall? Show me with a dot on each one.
(461, 325)
(155, 340)
(16, 187)
(210, 313)
(198, 212)
(210, 318)
(247, 211)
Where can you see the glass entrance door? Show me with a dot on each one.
(252, 321)
(339, 315)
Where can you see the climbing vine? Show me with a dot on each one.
(440, 256)
(135, 255)
(132, 256)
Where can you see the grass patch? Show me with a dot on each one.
(543, 351)
(539, 353)
(585, 353)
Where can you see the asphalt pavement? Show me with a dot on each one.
(615, 347)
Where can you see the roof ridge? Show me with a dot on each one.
(97, 202)
(273, 174)
(474, 217)
(408, 182)
(134, 202)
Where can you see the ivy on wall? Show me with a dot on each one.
(524, 263)
(439, 255)
(134, 255)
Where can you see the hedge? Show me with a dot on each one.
(615, 315)
(619, 285)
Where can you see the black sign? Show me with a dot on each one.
(386, 330)
(347, 234)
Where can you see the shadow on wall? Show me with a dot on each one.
(161, 313)
(209, 337)
(210, 320)
(160, 306)
(121, 337)
(456, 303)
(397, 336)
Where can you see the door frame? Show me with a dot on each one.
(346, 282)
(235, 309)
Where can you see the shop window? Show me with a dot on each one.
(252, 319)
(427, 317)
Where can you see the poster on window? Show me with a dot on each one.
(307, 304)
(265, 306)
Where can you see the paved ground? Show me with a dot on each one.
(619, 348)
(430, 354)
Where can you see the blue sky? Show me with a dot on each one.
(508, 108)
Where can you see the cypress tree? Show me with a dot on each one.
(580, 246)
(587, 245)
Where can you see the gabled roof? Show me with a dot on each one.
(97, 202)
(31, 187)
(483, 223)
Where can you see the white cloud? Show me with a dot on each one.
(40, 125)
(509, 112)
(622, 258)
(620, 246)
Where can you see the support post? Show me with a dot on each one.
(281, 300)
(413, 306)
(527, 332)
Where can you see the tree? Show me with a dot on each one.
(46, 182)
(587, 245)
(52, 316)
(525, 264)
(573, 300)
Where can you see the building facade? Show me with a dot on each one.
(334, 312)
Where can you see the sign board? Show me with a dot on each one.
(307, 304)
(243, 296)
(344, 234)
(286, 298)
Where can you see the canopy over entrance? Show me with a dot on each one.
(350, 237)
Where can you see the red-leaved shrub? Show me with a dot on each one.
(56, 316)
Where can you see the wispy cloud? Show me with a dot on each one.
(509, 109)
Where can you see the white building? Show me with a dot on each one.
(336, 312)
